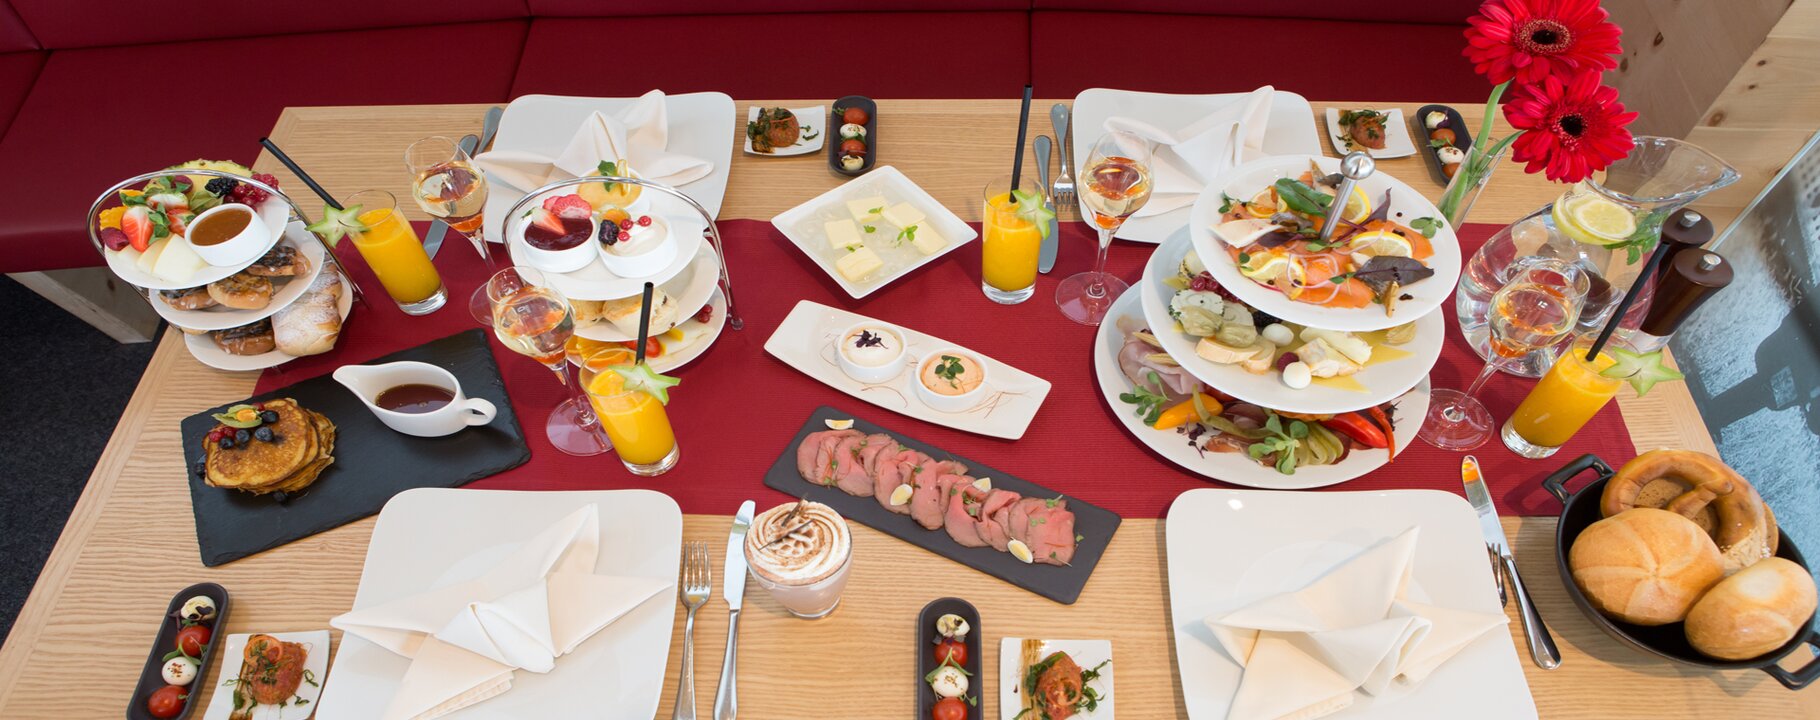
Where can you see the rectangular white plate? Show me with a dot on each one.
(1229, 547)
(233, 654)
(433, 537)
(1291, 132)
(1396, 134)
(1086, 653)
(810, 120)
(805, 341)
(803, 225)
(544, 123)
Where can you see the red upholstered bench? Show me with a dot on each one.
(20, 59)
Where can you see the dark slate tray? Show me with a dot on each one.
(151, 677)
(925, 653)
(372, 462)
(1059, 583)
(834, 139)
(1462, 138)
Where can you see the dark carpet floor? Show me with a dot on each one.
(63, 385)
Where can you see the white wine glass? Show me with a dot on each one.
(1115, 182)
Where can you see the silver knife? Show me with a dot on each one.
(726, 699)
(1052, 240)
(1541, 645)
(432, 240)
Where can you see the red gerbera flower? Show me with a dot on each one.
(1533, 39)
(1570, 129)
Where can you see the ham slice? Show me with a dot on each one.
(930, 498)
(961, 518)
(995, 518)
(891, 470)
(1135, 363)
(815, 457)
(851, 458)
(1052, 535)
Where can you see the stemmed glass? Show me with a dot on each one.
(1536, 307)
(1115, 182)
(535, 320)
(448, 186)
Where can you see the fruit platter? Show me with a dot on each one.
(146, 236)
(1258, 229)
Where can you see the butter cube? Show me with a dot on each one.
(928, 240)
(903, 215)
(866, 209)
(842, 234)
(858, 264)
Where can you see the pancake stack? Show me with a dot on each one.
(302, 446)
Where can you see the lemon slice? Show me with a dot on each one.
(1265, 267)
(1358, 207)
(1381, 243)
(1594, 220)
(1263, 204)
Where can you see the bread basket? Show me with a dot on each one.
(1580, 509)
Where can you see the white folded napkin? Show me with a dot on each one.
(1183, 161)
(639, 133)
(1354, 628)
(466, 639)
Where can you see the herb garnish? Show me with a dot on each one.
(1426, 225)
(1281, 442)
(867, 338)
(908, 233)
(1149, 404)
(949, 368)
(1226, 202)
(1299, 197)
(608, 168)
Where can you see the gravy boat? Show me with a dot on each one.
(368, 381)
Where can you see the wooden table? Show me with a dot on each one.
(130, 543)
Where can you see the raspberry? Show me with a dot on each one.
(644, 221)
(1286, 359)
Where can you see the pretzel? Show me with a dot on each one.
(1741, 524)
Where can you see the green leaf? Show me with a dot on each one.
(1226, 202)
(1301, 198)
(1426, 225)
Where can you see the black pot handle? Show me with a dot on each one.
(1799, 678)
(1556, 484)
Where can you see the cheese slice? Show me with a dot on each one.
(856, 265)
(179, 261)
(1343, 382)
(866, 209)
(149, 259)
(928, 241)
(903, 215)
(842, 234)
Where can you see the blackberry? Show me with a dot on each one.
(609, 233)
(221, 187)
(1263, 319)
(263, 433)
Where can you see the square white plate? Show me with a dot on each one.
(1229, 547)
(1086, 653)
(812, 120)
(1291, 132)
(699, 125)
(433, 537)
(805, 340)
(803, 225)
(233, 655)
(1396, 135)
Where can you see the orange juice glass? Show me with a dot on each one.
(634, 420)
(392, 250)
(1563, 401)
(1010, 245)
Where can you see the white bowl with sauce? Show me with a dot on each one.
(879, 360)
(956, 394)
(563, 259)
(652, 253)
(228, 234)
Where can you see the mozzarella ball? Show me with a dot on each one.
(199, 608)
(1450, 155)
(1278, 334)
(851, 162)
(1297, 375)
(1434, 119)
(851, 131)
(949, 682)
(180, 671)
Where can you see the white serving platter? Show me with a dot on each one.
(595, 282)
(1233, 468)
(1396, 135)
(1406, 205)
(809, 119)
(1292, 131)
(221, 317)
(700, 126)
(1382, 381)
(273, 212)
(210, 354)
(691, 289)
(803, 226)
(315, 665)
(806, 339)
(1226, 548)
(702, 336)
(1086, 653)
(434, 537)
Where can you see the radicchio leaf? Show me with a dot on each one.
(1379, 272)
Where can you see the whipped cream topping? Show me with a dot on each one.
(799, 549)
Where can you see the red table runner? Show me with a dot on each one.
(738, 407)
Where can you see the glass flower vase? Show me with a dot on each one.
(1469, 180)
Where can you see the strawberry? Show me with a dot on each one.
(169, 202)
(137, 224)
(568, 206)
(179, 221)
(548, 221)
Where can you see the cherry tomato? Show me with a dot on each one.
(854, 115)
(949, 709)
(1442, 134)
(192, 639)
(951, 650)
(653, 346)
(167, 702)
(1449, 169)
(853, 147)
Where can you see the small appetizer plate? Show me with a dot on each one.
(809, 140)
(205, 350)
(1235, 468)
(697, 338)
(595, 282)
(1396, 135)
(927, 660)
(835, 121)
(805, 223)
(691, 289)
(806, 340)
(1462, 137)
(301, 705)
(221, 317)
(151, 678)
(1380, 381)
(1406, 205)
(272, 212)
(1088, 654)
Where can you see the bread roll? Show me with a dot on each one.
(311, 324)
(1644, 566)
(1753, 612)
(623, 313)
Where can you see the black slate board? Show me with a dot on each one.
(372, 462)
(925, 653)
(1059, 583)
(151, 677)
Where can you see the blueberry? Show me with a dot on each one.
(226, 443)
(200, 468)
(241, 437)
(268, 417)
(263, 433)
(282, 497)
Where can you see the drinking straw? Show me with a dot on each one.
(1023, 126)
(327, 199)
(1630, 296)
(644, 323)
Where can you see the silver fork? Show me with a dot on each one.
(1064, 183)
(1497, 573)
(697, 577)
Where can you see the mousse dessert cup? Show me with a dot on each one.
(801, 553)
(639, 247)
